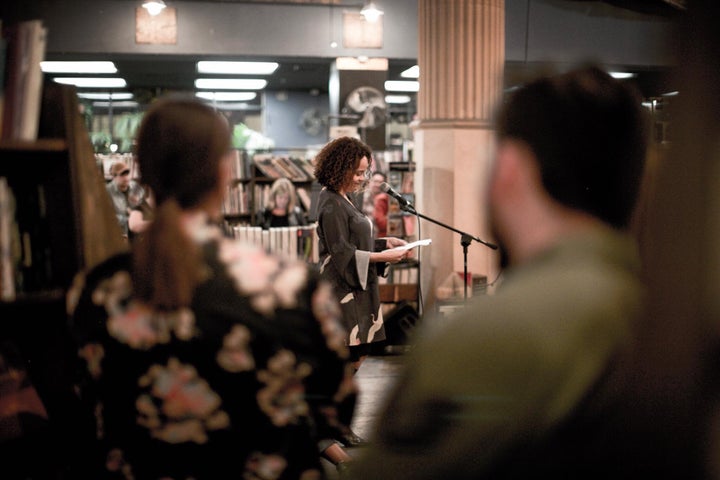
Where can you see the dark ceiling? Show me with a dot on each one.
(149, 75)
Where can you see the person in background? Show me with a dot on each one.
(125, 194)
(520, 384)
(204, 357)
(375, 204)
(282, 209)
(140, 216)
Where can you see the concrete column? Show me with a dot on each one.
(461, 60)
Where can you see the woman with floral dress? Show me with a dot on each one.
(205, 358)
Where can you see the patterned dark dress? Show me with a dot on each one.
(345, 243)
(243, 384)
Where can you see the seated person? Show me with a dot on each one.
(282, 209)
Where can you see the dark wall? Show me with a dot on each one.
(536, 30)
(283, 118)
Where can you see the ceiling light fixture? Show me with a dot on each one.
(90, 82)
(154, 7)
(397, 99)
(123, 104)
(402, 86)
(78, 67)
(227, 96)
(621, 75)
(230, 83)
(106, 96)
(412, 72)
(371, 12)
(237, 68)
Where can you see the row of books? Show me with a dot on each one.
(25, 263)
(8, 241)
(236, 200)
(296, 242)
(274, 166)
(403, 273)
(22, 48)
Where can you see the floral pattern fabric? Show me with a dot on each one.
(243, 384)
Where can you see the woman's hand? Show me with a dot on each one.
(393, 255)
(393, 242)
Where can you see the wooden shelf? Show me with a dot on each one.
(41, 145)
(47, 296)
(397, 292)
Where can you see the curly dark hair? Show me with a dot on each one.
(336, 163)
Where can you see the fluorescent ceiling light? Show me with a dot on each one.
(237, 68)
(90, 82)
(126, 104)
(230, 83)
(78, 67)
(412, 72)
(234, 106)
(227, 96)
(106, 96)
(402, 86)
(670, 94)
(621, 75)
(154, 7)
(397, 99)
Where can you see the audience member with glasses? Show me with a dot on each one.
(125, 193)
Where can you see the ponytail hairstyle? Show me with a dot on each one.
(180, 144)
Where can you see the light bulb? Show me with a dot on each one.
(154, 7)
(371, 12)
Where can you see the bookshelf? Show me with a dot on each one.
(64, 222)
(63, 214)
(402, 284)
(254, 173)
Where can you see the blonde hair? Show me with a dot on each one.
(282, 185)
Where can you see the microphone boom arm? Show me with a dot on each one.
(410, 209)
(465, 239)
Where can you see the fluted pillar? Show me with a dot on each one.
(461, 60)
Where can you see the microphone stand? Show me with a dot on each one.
(465, 239)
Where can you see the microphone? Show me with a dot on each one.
(404, 204)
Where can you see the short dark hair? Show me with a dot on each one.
(180, 143)
(588, 133)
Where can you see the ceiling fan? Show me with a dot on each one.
(368, 105)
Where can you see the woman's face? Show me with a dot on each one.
(359, 176)
(282, 199)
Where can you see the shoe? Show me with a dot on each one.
(350, 439)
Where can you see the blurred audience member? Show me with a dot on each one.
(375, 204)
(516, 384)
(206, 358)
